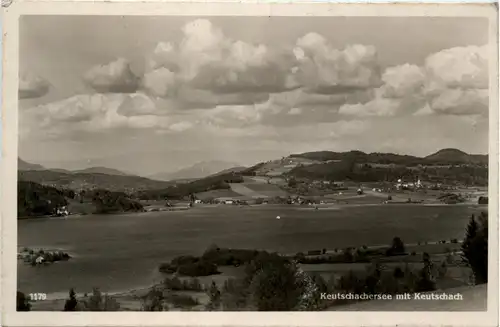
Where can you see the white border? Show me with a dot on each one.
(9, 168)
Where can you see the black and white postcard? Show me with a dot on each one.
(200, 163)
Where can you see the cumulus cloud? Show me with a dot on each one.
(402, 81)
(208, 82)
(462, 67)
(458, 81)
(324, 69)
(96, 113)
(207, 59)
(160, 82)
(114, 77)
(191, 98)
(208, 69)
(137, 105)
(461, 102)
(32, 86)
(233, 116)
(378, 107)
(163, 56)
(452, 82)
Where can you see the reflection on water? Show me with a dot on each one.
(119, 252)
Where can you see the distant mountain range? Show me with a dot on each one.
(199, 170)
(81, 180)
(455, 155)
(444, 156)
(101, 170)
(26, 166)
(23, 165)
(312, 165)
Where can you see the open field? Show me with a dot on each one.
(257, 190)
(282, 166)
(223, 193)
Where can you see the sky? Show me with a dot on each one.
(154, 94)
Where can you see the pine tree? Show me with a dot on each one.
(71, 303)
(22, 302)
(475, 248)
(215, 297)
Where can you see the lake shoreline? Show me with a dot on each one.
(328, 206)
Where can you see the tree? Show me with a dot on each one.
(100, 302)
(215, 297)
(154, 301)
(424, 281)
(483, 200)
(94, 303)
(426, 258)
(71, 303)
(397, 247)
(475, 248)
(235, 294)
(274, 284)
(398, 273)
(292, 182)
(22, 302)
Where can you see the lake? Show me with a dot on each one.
(120, 252)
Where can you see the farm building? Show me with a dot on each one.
(225, 200)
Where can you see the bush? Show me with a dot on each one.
(167, 268)
(351, 283)
(184, 260)
(173, 284)
(100, 302)
(424, 282)
(300, 257)
(426, 258)
(235, 294)
(181, 300)
(398, 273)
(195, 285)
(200, 268)
(229, 257)
(154, 301)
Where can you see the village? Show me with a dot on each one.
(324, 194)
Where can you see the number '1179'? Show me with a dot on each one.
(38, 296)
